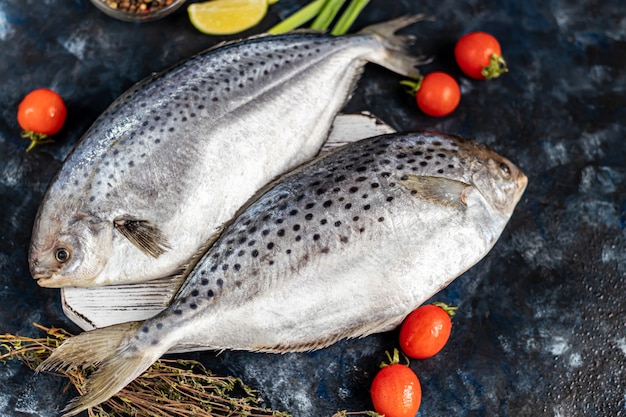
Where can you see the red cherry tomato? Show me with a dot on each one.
(438, 95)
(42, 111)
(396, 391)
(425, 332)
(479, 56)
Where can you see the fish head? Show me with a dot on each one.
(69, 253)
(497, 179)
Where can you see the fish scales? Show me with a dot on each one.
(344, 246)
(176, 156)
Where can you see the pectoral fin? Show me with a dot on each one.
(143, 234)
(438, 190)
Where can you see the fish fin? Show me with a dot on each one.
(396, 58)
(348, 128)
(119, 362)
(436, 189)
(143, 234)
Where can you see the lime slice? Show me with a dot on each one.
(226, 17)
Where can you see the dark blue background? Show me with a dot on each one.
(541, 325)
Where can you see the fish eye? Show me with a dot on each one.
(505, 170)
(62, 255)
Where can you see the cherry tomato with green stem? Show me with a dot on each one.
(396, 390)
(426, 330)
(437, 94)
(479, 56)
(40, 114)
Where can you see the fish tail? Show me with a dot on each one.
(119, 360)
(396, 57)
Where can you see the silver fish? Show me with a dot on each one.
(154, 178)
(342, 247)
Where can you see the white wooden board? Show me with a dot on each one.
(94, 307)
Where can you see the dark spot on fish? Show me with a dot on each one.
(348, 206)
(204, 281)
(337, 223)
(145, 329)
(340, 178)
(220, 282)
(404, 178)
(255, 253)
(281, 232)
(159, 326)
(296, 227)
(194, 293)
(343, 239)
(355, 218)
(225, 267)
(380, 219)
(270, 245)
(265, 232)
(325, 249)
(316, 236)
(178, 312)
(293, 212)
(323, 222)
(389, 199)
(413, 192)
(309, 216)
(353, 189)
(251, 243)
(361, 179)
(327, 203)
(210, 293)
(321, 191)
(298, 239)
(236, 267)
(375, 185)
(309, 206)
(365, 196)
(366, 207)
(241, 253)
(279, 221)
(423, 163)
(214, 268)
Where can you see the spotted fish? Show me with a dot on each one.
(342, 247)
(158, 173)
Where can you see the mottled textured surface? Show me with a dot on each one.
(541, 328)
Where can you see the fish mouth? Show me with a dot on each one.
(47, 280)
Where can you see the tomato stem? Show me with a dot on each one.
(35, 139)
(395, 358)
(497, 66)
(448, 309)
(413, 86)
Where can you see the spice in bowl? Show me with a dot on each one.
(137, 10)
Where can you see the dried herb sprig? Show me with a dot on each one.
(169, 388)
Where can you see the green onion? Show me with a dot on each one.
(299, 18)
(348, 17)
(327, 14)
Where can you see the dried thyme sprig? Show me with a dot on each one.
(169, 388)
